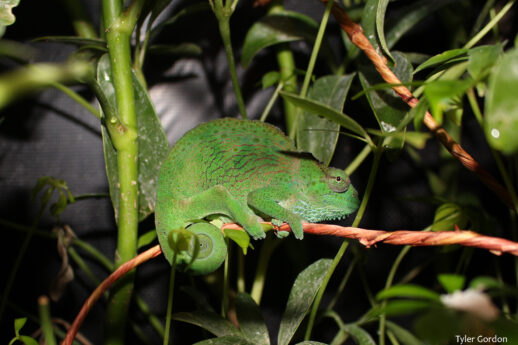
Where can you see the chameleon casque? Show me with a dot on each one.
(243, 170)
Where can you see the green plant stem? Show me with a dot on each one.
(316, 48)
(82, 25)
(241, 283)
(343, 283)
(223, 14)
(267, 249)
(338, 257)
(45, 319)
(226, 278)
(78, 98)
(119, 28)
(358, 160)
(388, 284)
(168, 316)
(271, 102)
(489, 25)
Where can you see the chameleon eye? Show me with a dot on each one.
(338, 183)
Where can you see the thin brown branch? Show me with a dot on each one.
(355, 33)
(370, 238)
(98, 292)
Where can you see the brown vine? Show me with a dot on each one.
(355, 33)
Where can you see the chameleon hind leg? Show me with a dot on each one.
(215, 200)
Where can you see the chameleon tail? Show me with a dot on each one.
(209, 249)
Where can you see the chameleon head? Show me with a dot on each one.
(326, 194)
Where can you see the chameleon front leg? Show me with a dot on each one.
(265, 201)
(177, 214)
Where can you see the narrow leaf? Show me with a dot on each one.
(281, 27)
(442, 58)
(404, 336)
(227, 340)
(380, 26)
(209, 321)
(316, 134)
(361, 336)
(251, 322)
(301, 297)
(408, 291)
(75, 40)
(327, 112)
(152, 142)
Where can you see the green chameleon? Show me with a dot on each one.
(242, 169)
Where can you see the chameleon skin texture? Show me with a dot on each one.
(244, 170)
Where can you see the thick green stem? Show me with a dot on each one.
(343, 247)
(119, 28)
(46, 322)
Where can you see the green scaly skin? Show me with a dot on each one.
(241, 169)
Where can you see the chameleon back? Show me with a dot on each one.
(241, 155)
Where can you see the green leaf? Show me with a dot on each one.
(240, 237)
(442, 58)
(18, 325)
(388, 108)
(412, 15)
(152, 142)
(316, 134)
(327, 112)
(408, 291)
(75, 40)
(416, 139)
(443, 95)
(501, 107)
(451, 282)
(301, 297)
(280, 27)
(251, 322)
(400, 307)
(482, 59)
(380, 26)
(183, 49)
(403, 335)
(361, 336)
(269, 79)
(227, 340)
(209, 321)
(27, 340)
(368, 21)
(146, 238)
(447, 216)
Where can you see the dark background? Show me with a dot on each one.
(50, 135)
